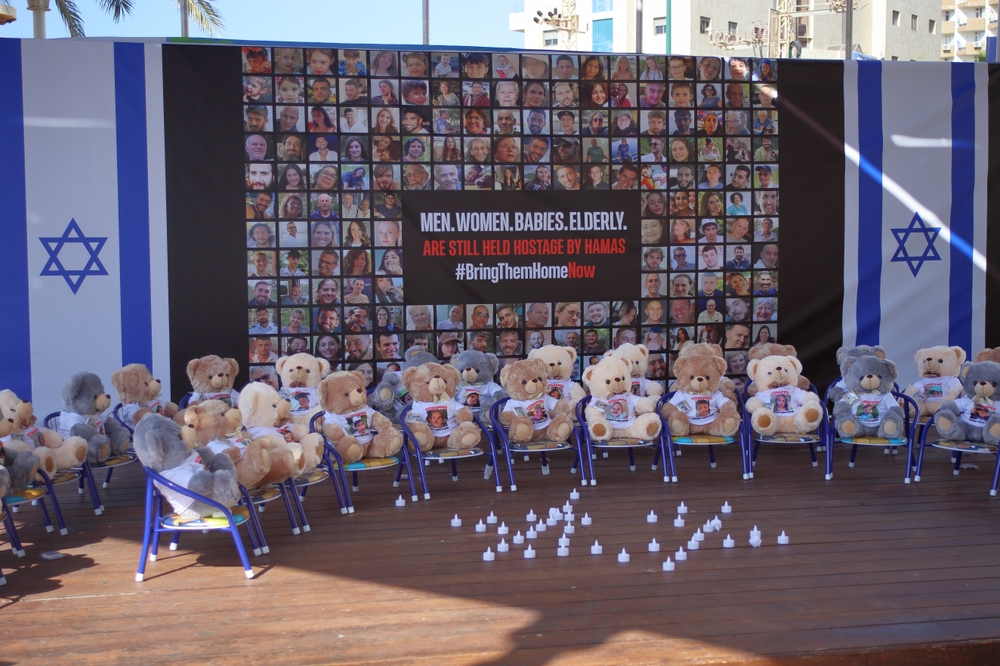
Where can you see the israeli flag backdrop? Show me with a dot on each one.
(916, 148)
(82, 213)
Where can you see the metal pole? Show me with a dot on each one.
(38, 9)
(669, 26)
(427, 21)
(184, 19)
(849, 30)
(638, 26)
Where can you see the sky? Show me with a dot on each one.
(330, 21)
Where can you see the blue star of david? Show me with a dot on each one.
(902, 235)
(74, 277)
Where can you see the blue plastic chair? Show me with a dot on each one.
(501, 441)
(888, 445)
(957, 449)
(672, 444)
(183, 404)
(423, 459)
(15, 541)
(157, 524)
(35, 494)
(589, 444)
(813, 440)
(334, 464)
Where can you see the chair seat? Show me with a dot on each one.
(65, 476)
(788, 438)
(115, 461)
(538, 447)
(874, 441)
(21, 495)
(175, 522)
(623, 443)
(265, 494)
(368, 463)
(965, 447)
(313, 477)
(445, 454)
(703, 440)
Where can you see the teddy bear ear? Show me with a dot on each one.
(280, 365)
(751, 367)
(192, 369)
(505, 373)
(361, 377)
(532, 354)
(586, 374)
(408, 374)
(453, 372)
(118, 381)
(983, 355)
(960, 353)
(791, 351)
(796, 363)
(72, 387)
(892, 366)
(679, 365)
(643, 349)
(878, 351)
(233, 366)
(495, 363)
(720, 364)
(324, 367)
(965, 370)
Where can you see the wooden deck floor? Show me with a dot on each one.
(877, 572)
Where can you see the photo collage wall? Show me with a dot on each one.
(334, 139)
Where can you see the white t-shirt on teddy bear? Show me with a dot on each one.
(31, 437)
(220, 445)
(181, 475)
(128, 411)
(536, 409)
(933, 388)
(230, 397)
(357, 423)
(559, 388)
(285, 432)
(466, 390)
(640, 386)
(699, 408)
(870, 408)
(784, 400)
(976, 412)
(422, 411)
(69, 419)
(292, 395)
(619, 409)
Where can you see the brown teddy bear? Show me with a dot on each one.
(939, 382)
(637, 357)
(53, 452)
(300, 375)
(260, 406)
(213, 378)
(775, 349)
(726, 384)
(139, 394)
(352, 427)
(614, 411)
(780, 405)
(559, 364)
(531, 414)
(436, 419)
(988, 355)
(211, 423)
(699, 406)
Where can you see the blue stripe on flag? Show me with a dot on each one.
(133, 203)
(869, 316)
(963, 191)
(15, 351)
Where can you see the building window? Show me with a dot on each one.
(895, 18)
(734, 27)
(706, 25)
(603, 36)
(551, 37)
(602, 6)
(932, 27)
(660, 25)
(913, 22)
(894, 58)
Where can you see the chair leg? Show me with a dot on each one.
(354, 481)
(235, 531)
(260, 546)
(15, 540)
(494, 467)
(298, 505)
(996, 477)
(288, 507)
(958, 462)
(631, 460)
(107, 477)
(454, 471)
(55, 504)
(656, 457)
(423, 475)
(590, 461)
(545, 464)
(711, 456)
(175, 540)
(580, 456)
(88, 479)
(920, 459)
(812, 452)
(141, 571)
(45, 515)
(670, 458)
(156, 528)
(854, 454)
(510, 465)
(829, 457)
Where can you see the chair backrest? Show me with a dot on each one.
(911, 405)
(117, 414)
(154, 477)
(495, 410)
(52, 421)
(183, 404)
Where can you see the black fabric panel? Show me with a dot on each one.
(993, 216)
(812, 213)
(205, 208)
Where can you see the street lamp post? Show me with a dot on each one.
(38, 9)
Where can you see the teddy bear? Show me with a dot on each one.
(352, 427)
(159, 445)
(389, 395)
(560, 362)
(938, 368)
(726, 384)
(637, 357)
(18, 468)
(972, 417)
(84, 401)
(211, 423)
(775, 349)
(614, 411)
(780, 405)
(436, 418)
(988, 354)
(213, 378)
(868, 408)
(477, 390)
(139, 394)
(699, 406)
(53, 453)
(532, 414)
(260, 406)
(300, 375)
(845, 356)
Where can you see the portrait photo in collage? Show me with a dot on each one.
(335, 138)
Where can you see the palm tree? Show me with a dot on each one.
(203, 12)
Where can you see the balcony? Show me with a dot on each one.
(975, 25)
(972, 4)
(947, 5)
(948, 28)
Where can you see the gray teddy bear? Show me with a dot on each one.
(477, 390)
(18, 469)
(159, 445)
(846, 356)
(973, 417)
(390, 396)
(868, 408)
(84, 400)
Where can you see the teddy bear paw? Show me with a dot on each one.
(678, 428)
(729, 426)
(522, 432)
(943, 423)
(811, 414)
(889, 428)
(764, 421)
(598, 431)
(652, 429)
(563, 431)
(848, 428)
(994, 431)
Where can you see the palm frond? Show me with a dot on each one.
(70, 15)
(117, 8)
(205, 16)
